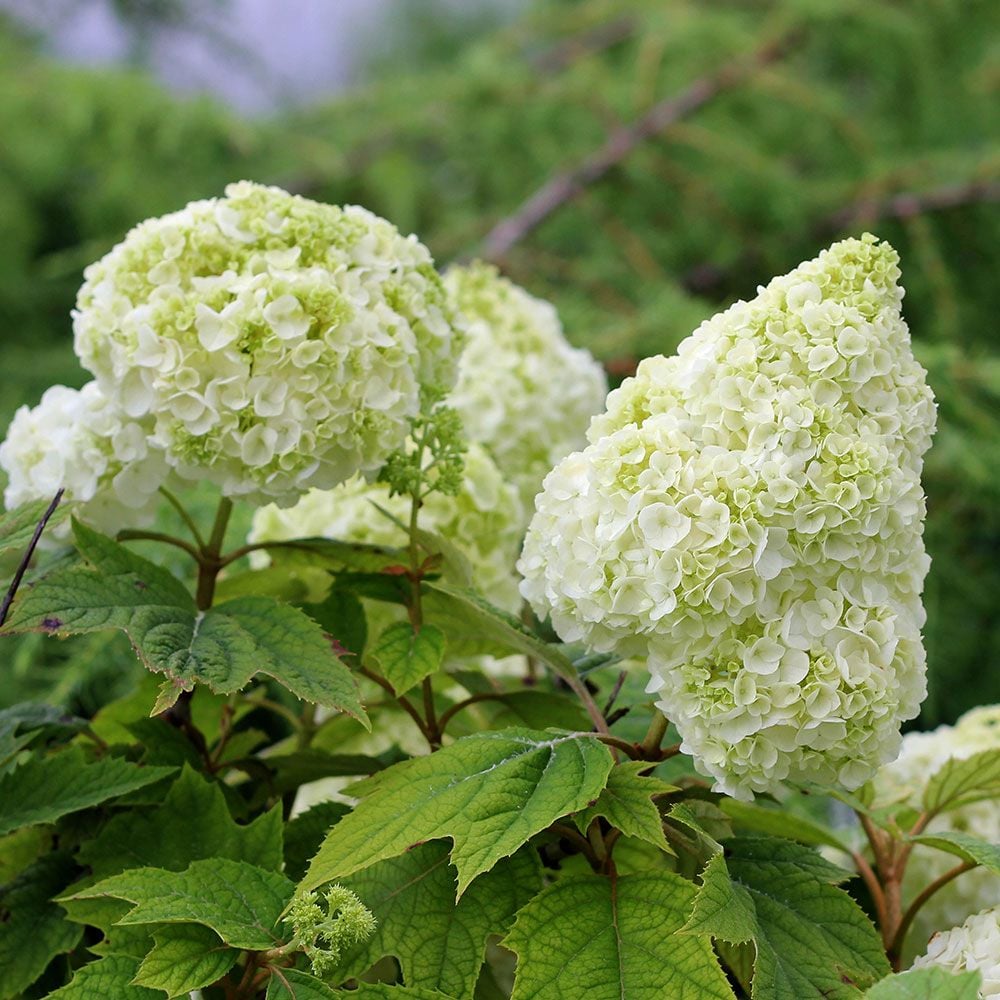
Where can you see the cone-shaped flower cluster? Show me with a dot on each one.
(523, 391)
(748, 515)
(264, 342)
(972, 947)
(903, 782)
(482, 520)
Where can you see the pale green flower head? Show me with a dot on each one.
(79, 441)
(523, 391)
(972, 947)
(482, 521)
(749, 515)
(270, 343)
(903, 782)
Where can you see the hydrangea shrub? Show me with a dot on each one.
(743, 527)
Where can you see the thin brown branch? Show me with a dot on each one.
(22, 567)
(870, 879)
(591, 42)
(567, 185)
(895, 948)
(705, 278)
(908, 204)
(404, 702)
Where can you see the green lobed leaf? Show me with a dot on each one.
(185, 957)
(306, 832)
(33, 929)
(533, 709)
(240, 902)
(223, 648)
(932, 983)
(341, 615)
(964, 846)
(626, 802)
(489, 793)
(406, 657)
(17, 527)
(960, 782)
(303, 766)
(620, 936)
(107, 978)
(778, 822)
(463, 613)
(44, 788)
(439, 943)
(166, 837)
(290, 984)
(812, 939)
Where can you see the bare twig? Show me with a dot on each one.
(896, 945)
(908, 204)
(564, 187)
(26, 559)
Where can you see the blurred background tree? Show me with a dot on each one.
(640, 163)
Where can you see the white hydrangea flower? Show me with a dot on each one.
(275, 343)
(749, 515)
(483, 521)
(903, 782)
(523, 391)
(972, 947)
(77, 440)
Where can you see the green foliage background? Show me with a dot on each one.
(878, 114)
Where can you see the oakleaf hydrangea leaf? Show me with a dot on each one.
(626, 803)
(812, 939)
(964, 846)
(44, 788)
(619, 936)
(164, 837)
(405, 657)
(960, 782)
(927, 984)
(33, 930)
(489, 793)
(240, 902)
(109, 977)
(290, 984)
(466, 612)
(439, 943)
(224, 647)
(778, 822)
(18, 526)
(185, 957)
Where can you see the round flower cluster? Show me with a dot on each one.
(748, 515)
(903, 782)
(266, 342)
(522, 390)
(972, 947)
(76, 440)
(482, 520)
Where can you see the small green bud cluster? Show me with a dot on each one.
(324, 926)
(433, 460)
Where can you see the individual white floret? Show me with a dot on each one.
(523, 391)
(274, 343)
(482, 521)
(903, 781)
(749, 514)
(972, 947)
(78, 441)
